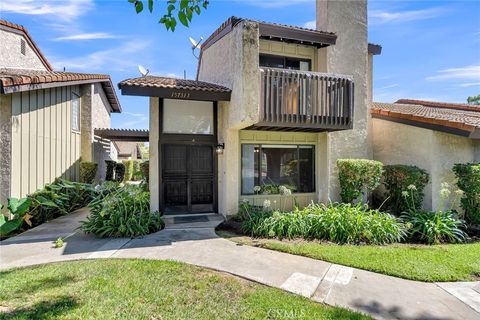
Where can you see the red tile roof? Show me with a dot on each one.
(459, 106)
(173, 83)
(436, 117)
(12, 80)
(29, 39)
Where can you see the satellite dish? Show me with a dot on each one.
(143, 71)
(195, 45)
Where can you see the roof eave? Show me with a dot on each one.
(174, 93)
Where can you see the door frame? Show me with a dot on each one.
(189, 139)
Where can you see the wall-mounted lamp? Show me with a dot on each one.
(219, 148)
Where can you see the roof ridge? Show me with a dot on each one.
(438, 104)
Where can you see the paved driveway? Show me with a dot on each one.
(382, 296)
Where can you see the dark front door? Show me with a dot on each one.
(188, 178)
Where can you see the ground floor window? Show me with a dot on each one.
(270, 166)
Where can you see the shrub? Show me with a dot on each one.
(397, 179)
(119, 172)
(88, 171)
(340, 223)
(56, 199)
(434, 227)
(145, 168)
(109, 175)
(468, 176)
(59, 198)
(122, 213)
(128, 169)
(137, 174)
(358, 177)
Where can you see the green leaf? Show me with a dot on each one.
(173, 23)
(2, 219)
(205, 4)
(19, 207)
(10, 226)
(170, 8)
(183, 18)
(139, 6)
(189, 14)
(45, 202)
(132, 1)
(197, 9)
(150, 5)
(183, 4)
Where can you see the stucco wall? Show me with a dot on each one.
(44, 146)
(154, 131)
(11, 56)
(436, 152)
(348, 19)
(233, 62)
(5, 146)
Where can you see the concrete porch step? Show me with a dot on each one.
(187, 221)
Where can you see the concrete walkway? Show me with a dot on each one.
(383, 297)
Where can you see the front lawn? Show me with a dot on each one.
(142, 289)
(450, 262)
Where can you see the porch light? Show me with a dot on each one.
(219, 148)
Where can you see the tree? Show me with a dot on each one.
(475, 100)
(181, 9)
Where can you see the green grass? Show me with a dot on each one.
(452, 262)
(142, 289)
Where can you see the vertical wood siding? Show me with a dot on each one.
(44, 147)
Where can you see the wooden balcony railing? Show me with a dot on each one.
(305, 101)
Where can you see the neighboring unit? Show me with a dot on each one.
(431, 135)
(47, 118)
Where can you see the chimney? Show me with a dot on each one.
(349, 56)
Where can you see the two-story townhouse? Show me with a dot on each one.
(272, 105)
(47, 118)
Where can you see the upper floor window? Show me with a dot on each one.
(272, 61)
(75, 112)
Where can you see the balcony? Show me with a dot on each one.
(305, 101)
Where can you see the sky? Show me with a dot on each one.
(431, 49)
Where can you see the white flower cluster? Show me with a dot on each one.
(285, 191)
(266, 204)
(257, 189)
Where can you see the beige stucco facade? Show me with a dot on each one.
(434, 151)
(10, 51)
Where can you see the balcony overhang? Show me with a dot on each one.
(304, 101)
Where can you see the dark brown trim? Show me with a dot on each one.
(173, 93)
(429, 126)
(374, 49)
(293, 35)
(122, 134)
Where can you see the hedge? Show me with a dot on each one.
(396, 179)
(128, 169)
(358, 176)
(145, 168)
(88, 171)
(137, 174)
(468, 176)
